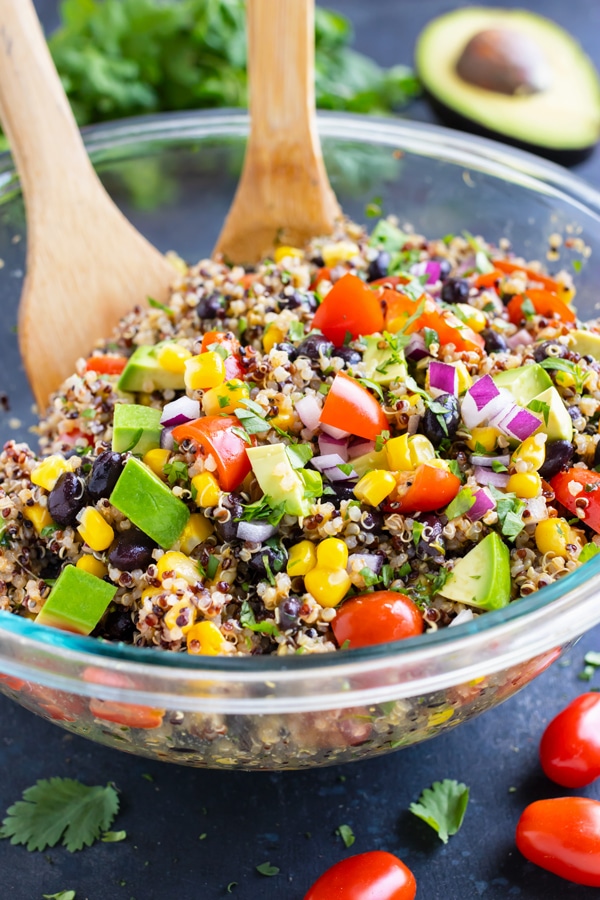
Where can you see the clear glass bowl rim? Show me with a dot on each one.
(532, 625)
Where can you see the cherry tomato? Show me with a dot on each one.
(352, 408)
(544, 303)
(233, 362)
(322, 274)
(130, 714)
(586, 500)
(376, 875)
(215, 435)
(488, 279)
(392, 280)
(570, 745)
(350, 306)
(563, 836)
(449, 328)
(106, 365)
(377, 618)
(509, 267)
(423, 490)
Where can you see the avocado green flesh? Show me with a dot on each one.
(277, 478)
(559, 424)
(524, 382)
(481, 578)
(143, 373)
(586, 343)
(379, 362)
(136, 428)
(147, 502)
(77, 601)
(566, 116)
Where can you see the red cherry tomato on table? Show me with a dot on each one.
(368, 876)
(563, 836)
(576, 485)
(352, 408)
(350, 306)
(215, 435)
(423, 490)
(377, 618)
(570, 745)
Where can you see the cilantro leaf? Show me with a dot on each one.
(262, 509)
(296, 331)
(212, 566)
(386, 236)
(509, 510)
(527, 308)
(539, 406)
(176, 471)
(299, 455)
(372, 386)
(58, 808)
(497, 466)
(267, 869)
(62, 895)
(313, 483)
(346, 834)
(369, 576)
(113, 837)
(443, 807)
(156, 305)
(461, 504)
(381, 440)
(248, 620)
(417, 532)
(564, 365)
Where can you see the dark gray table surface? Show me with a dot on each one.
(290, 818)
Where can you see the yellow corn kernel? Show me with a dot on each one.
(181, 615)
(174, 564)
(94, 529)
(485, 436)
(474, 318)
(197, 530)
(225, 398)
(272, 335)
(284, 420)
(92, 565)
(328, 586)
(438, 464)
(339, 252)
(47, 473)
(406, 452)
(441, 716)
(525, 484)
(284, 251)
(564, 379)
(302, 557)
(464, 380)
(207, 489)
(38, 516)
(553, 536)
(172, 357)
(205, 638)
(375, 486)
(532, 451)
(204, 371)
(156, 460)
(150, 592)
(332, 553)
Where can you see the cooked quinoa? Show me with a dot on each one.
(224, 588)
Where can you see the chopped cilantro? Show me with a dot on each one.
(527, 308)
(404, 570)
(113, 837)
(219, 349)
(241, 433)
(381, 440)
(388, 237)
(346, 468)
(461, 504)
(387, 574)
(497, 466)
(509, 509)
(443, 807)
(156, 305)
(176, 471)
(455, 468)
(252, 417)
(369, 576)
(564, 365)
(263, 510)
(313, 483)
(296, 331)
(267, 869)
(374, 209)
(482, 262)
(589, 550)
(49, 530)
(417, 532)
(62, 895)
(299, 455)
(431, 337)
(577, 264)
(248, 620)
(346, 834)
(372, 386)
(212, 566)
(438, 581)
(268, 570)
(242, 325)
(448, 238)
(346, 644)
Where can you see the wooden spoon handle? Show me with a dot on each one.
(35, 112)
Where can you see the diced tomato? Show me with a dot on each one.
(215, 436)
(233, 362)
(398, 307)
(106, 365)
(544, 303)
(449, 327)
(15, 684)
(509, 267)
(350, 306)
(425, 489)
(129, 714)
(488, 279)
(248, 280)
(377, 618)
(322, 274)
(72, 438)
(352, 408)
(392, 280)
(579, 491)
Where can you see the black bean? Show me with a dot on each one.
(455, 290)
(372, 520)
(431, 542)
(104, 475)
(315, 346)
(351, 357)
(288, 613)
(132, 549)
(445, 267)
(227, 531)
(299, 300)
(117, 626)
(288, 348)
(441, 419)
(67, 498)
(558, 456)
(549, 349)
(318, 261)
(211, 306)
(378, 267)
(494, 342)
(343, 490)
(273, 558)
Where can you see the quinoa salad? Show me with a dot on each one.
(358, 441)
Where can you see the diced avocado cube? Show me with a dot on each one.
(279, 481)
(147, 502)
(586, 343)
(382, 363)
(135, 428)
(143, 372)
(77, 601)
(524, 383)
(482, 577)
(556, 421)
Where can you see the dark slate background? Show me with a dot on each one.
(290, 818)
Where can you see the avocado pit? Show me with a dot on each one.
(505, 61)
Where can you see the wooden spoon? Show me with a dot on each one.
(284, 195)
(86, 264)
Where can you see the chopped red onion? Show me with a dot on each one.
(331, 431)
(257, 532)
(359, 447)
(488, 476)
(327, 462)
(520, 337)
(443, 379)
(519, 423)
(309, 410)
(416, 348)
(336, 474)
(372, 561)
(483, 503)
(167, 442)
(464, 616)
(430, 267)
(184, 409)
(490, 460)
(413, 424)
(328, 444)
(482, 401)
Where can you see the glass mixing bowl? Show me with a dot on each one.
(174, 176)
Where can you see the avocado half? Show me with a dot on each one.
(514, 74)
